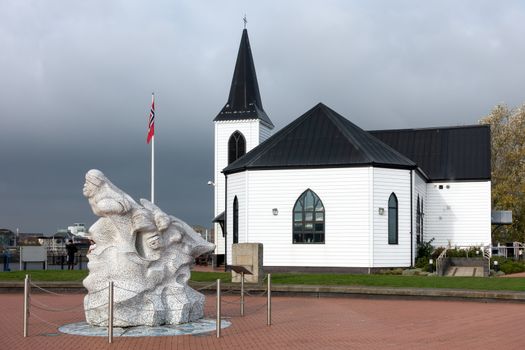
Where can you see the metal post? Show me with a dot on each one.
(26, 306)
(269, 302)
(110, 313)
(242, 293)
(218, 322)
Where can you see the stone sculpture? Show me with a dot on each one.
(146, 253)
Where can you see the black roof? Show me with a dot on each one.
(447, 153)
(320, 138)
(244, 101)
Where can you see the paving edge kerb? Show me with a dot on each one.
(312, 290)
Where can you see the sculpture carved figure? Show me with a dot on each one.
(146, 253)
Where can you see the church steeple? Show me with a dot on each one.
(244, 101)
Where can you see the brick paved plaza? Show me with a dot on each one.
(298, 323)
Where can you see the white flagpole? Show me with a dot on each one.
(153, 169)
(153, 159)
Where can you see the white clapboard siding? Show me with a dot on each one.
(223, 130)
(265, 133)
(386, 182)
(458, 214)
(345, 196)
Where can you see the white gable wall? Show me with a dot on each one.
(345, 196)
(223, 130)
(265, 133)
(458, 214)
(385, 182)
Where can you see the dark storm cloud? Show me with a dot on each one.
(76, 78)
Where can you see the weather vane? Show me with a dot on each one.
(245, 21)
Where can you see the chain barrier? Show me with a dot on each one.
(46, 290)
(44, 320)
(239, 301)
(261, 294)
(206, 287)
(46, 307)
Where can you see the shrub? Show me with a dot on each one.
(464, 253)
(424, 253)
(508, 265)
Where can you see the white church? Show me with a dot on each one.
(324, 194)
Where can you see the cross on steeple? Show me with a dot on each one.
(245, 21)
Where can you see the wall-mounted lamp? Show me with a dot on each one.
(381, 211)
(211, 183)
(275, 211)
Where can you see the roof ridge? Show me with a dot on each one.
(337, 139)
(343, 129)
(433, 128)
(339, 119)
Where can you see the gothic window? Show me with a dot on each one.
(308, 219)
(418, 222)
(236, 146)
(422, 216)
(235, 220)
(392, 219)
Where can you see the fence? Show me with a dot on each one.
(515, 251)
(37, 309)
(54, 261)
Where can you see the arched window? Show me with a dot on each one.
(422, 217)
(236, 146)
(235, 220)
(418, 222)
(308, 219)
(392, 220)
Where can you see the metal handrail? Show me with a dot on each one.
(439, 260)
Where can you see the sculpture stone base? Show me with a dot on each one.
(191, 328)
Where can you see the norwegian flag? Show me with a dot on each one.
(151, 122)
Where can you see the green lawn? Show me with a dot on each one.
(41, 275)
(476, 283)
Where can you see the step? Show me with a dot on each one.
(464, 271)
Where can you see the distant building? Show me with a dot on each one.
(77, 228)
(7, 238)
(29, 238)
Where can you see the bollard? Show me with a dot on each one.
(269, 302)
(26, 306)
(110, 313)
(218, 325)
(242, 293)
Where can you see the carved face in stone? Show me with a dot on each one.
(146, 253)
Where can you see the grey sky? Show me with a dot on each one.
(76, 78)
